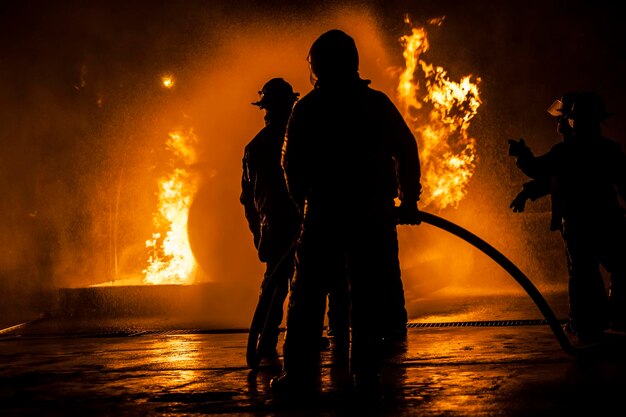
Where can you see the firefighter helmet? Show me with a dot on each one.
(333, 54)
(581, 105)
(276, 93)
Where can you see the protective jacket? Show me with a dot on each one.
(271, 214)
(583, 176)
(368, 151)
(348, 153)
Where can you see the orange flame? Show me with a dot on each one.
(439, 112)
(171, 260)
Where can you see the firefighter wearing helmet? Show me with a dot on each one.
(271, 215)
(348, 154)
(277, 96)
(584, 175)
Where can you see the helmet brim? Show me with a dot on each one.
(556, 108)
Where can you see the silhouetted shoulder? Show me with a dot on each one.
(312, 98)
(379, 100)
(611, 145)
(378, 95)
(257, 139)
(558, 147)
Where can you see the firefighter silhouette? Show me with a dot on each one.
(271, 214)
(348, 154)
(274, 219)
(584, 174)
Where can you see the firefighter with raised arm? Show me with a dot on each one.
(584, 174)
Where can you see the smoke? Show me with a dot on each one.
(85, 121)
(88, 120)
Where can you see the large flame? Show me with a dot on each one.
(171, 260)
(439, 111)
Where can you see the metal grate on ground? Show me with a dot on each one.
(23, 329)
(485, 323)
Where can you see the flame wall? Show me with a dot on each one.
(84, 121)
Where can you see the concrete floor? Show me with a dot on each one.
(146, 368)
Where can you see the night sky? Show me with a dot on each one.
(84, 120)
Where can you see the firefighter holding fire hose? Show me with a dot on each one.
(348, 154)
(584, 174)
(272, 217)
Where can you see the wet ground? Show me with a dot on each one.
(159, 366)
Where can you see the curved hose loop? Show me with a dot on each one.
(516, 273)
(256, 341)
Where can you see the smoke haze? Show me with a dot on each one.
(85, 121)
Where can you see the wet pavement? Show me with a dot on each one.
(160, 367)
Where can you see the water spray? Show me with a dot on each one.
(513, 270)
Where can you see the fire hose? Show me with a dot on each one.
(256, 342)
(514, 271)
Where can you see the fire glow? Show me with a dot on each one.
(171, 260)
(167, 81)
(439, 111)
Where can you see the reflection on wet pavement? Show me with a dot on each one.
(451, 371)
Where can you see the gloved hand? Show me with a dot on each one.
(408, 214)
(518, 148)
(519, 203)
